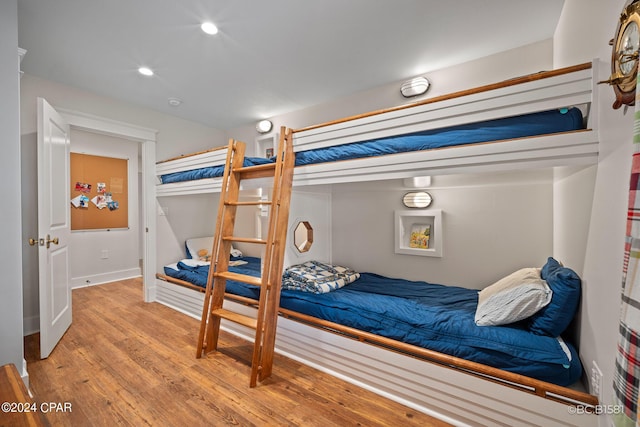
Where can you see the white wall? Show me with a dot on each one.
(30, 256)
(122, 245)
(484, 218)
(312, 204)
(583, 33)
(572, 203)
(186, 217)
(11, 347)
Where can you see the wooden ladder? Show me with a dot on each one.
(270, 281)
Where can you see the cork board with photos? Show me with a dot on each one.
(99, 192)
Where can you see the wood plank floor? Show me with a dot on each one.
(126, 362)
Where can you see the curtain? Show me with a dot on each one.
(626, 380)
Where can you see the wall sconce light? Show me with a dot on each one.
(414, 87)
(264, 126)
(417, 199)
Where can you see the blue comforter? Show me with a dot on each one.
(437, 317)
(541, 123)
(208, 172)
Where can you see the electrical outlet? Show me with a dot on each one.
(596, 380)
(104, 254)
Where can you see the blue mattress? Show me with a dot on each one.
(208, 172)
(541, 123)
(545, 122)
(433, 316)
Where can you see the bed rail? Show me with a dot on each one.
(213, 157)
(467, 92)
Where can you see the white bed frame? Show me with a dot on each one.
(213, 157)
(452, 395)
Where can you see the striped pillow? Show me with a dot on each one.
(512, 298)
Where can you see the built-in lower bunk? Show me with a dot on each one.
(429, 322)
(432, 316)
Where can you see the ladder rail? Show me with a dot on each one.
(206, 307)
(276, 266)
(214, 295)
(266, 322)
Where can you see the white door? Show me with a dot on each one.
(53, 227)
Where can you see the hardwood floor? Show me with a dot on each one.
(127, 362)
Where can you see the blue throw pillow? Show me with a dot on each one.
(551, 266)
(553, 319)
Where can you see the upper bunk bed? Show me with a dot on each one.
(545, 119)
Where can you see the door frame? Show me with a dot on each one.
(146, 137)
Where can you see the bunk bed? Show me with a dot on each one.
(394, 368)
(544, 119)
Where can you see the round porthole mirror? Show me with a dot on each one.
(417, 199)
(303, 236)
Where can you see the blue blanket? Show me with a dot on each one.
(208, 172)
(433, 316)
(198, 276)
(541, 123)
(494, 130)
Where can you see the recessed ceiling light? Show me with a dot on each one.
(145, 71)
(209, 28)
(174, 102)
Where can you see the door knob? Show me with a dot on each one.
(33, 242)
(48, 241)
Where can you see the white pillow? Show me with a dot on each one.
(514, 297)
(197, 244)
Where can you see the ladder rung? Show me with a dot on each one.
(244, 278)
(235, 317)
(245, 240)
(259, 171)
(247, 203)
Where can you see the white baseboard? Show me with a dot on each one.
(25, 375)
(98, 279)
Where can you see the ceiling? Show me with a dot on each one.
(269, 57)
